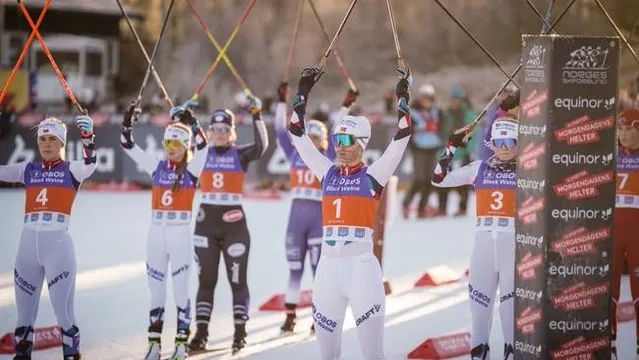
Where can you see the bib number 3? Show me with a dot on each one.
(498, 200)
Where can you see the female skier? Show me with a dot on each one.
(626, 246)
(221, 224)
(174, 184)
(304, 232)
(493, 255)
(46, 248)
(348, 272)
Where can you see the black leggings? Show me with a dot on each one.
(221, 230)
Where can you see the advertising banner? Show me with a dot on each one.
(566, 197)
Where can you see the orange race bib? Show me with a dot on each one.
(496, 202)
(222, 182)
(349, 211)
(165, 199)
(49, 190)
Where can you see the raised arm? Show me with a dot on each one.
(196, 165)
(253, 151)
(312, 157)
(283, 138)
(382, 169)
(442, 174)
(13, 172)
(82, 169)
(145, 161)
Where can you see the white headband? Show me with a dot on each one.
(53, 128)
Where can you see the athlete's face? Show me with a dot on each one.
(176, 154)
(505, 149)
(349, 155)
(50, 147)
(629, 137)
(220, 134)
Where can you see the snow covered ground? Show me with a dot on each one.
(112, 297)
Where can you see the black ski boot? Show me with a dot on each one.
(509, 351)
(239, 338)
(291, 319)
(200, 339)
(480, 352)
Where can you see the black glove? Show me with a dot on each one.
(282, 91)
(510, 102)
(186, 117)
(131, 115)
(401, 90)
(310, 76)
(350, 97)
(458, 139)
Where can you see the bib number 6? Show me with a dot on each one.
(167, 198)
(498, 200)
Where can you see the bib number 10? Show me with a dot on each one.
(305, 177)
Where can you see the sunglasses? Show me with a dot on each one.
(508, 143)
(344, 140)
(171, 144)
(220, 129)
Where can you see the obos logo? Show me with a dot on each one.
(579, 213)
(578, 270)
(527, 348)
(577, 325)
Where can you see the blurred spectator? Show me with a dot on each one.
(323, 113)
(458, 115)
(425, 143)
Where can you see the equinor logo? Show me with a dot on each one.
(584, 103)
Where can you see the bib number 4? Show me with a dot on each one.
(42, 198)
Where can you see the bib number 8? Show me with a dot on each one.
(218, 180)
(498, 200)
(42, 198)
(167, 198)
(305, 177)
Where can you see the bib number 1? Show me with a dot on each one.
(338, 208)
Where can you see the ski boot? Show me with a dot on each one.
(480, 352)
(181, 340)
(71, 343)
(239, 338)
(23, 338)
(613, 347)
(154, 349)
(200, 339)
(509, 351)
(291, 319)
